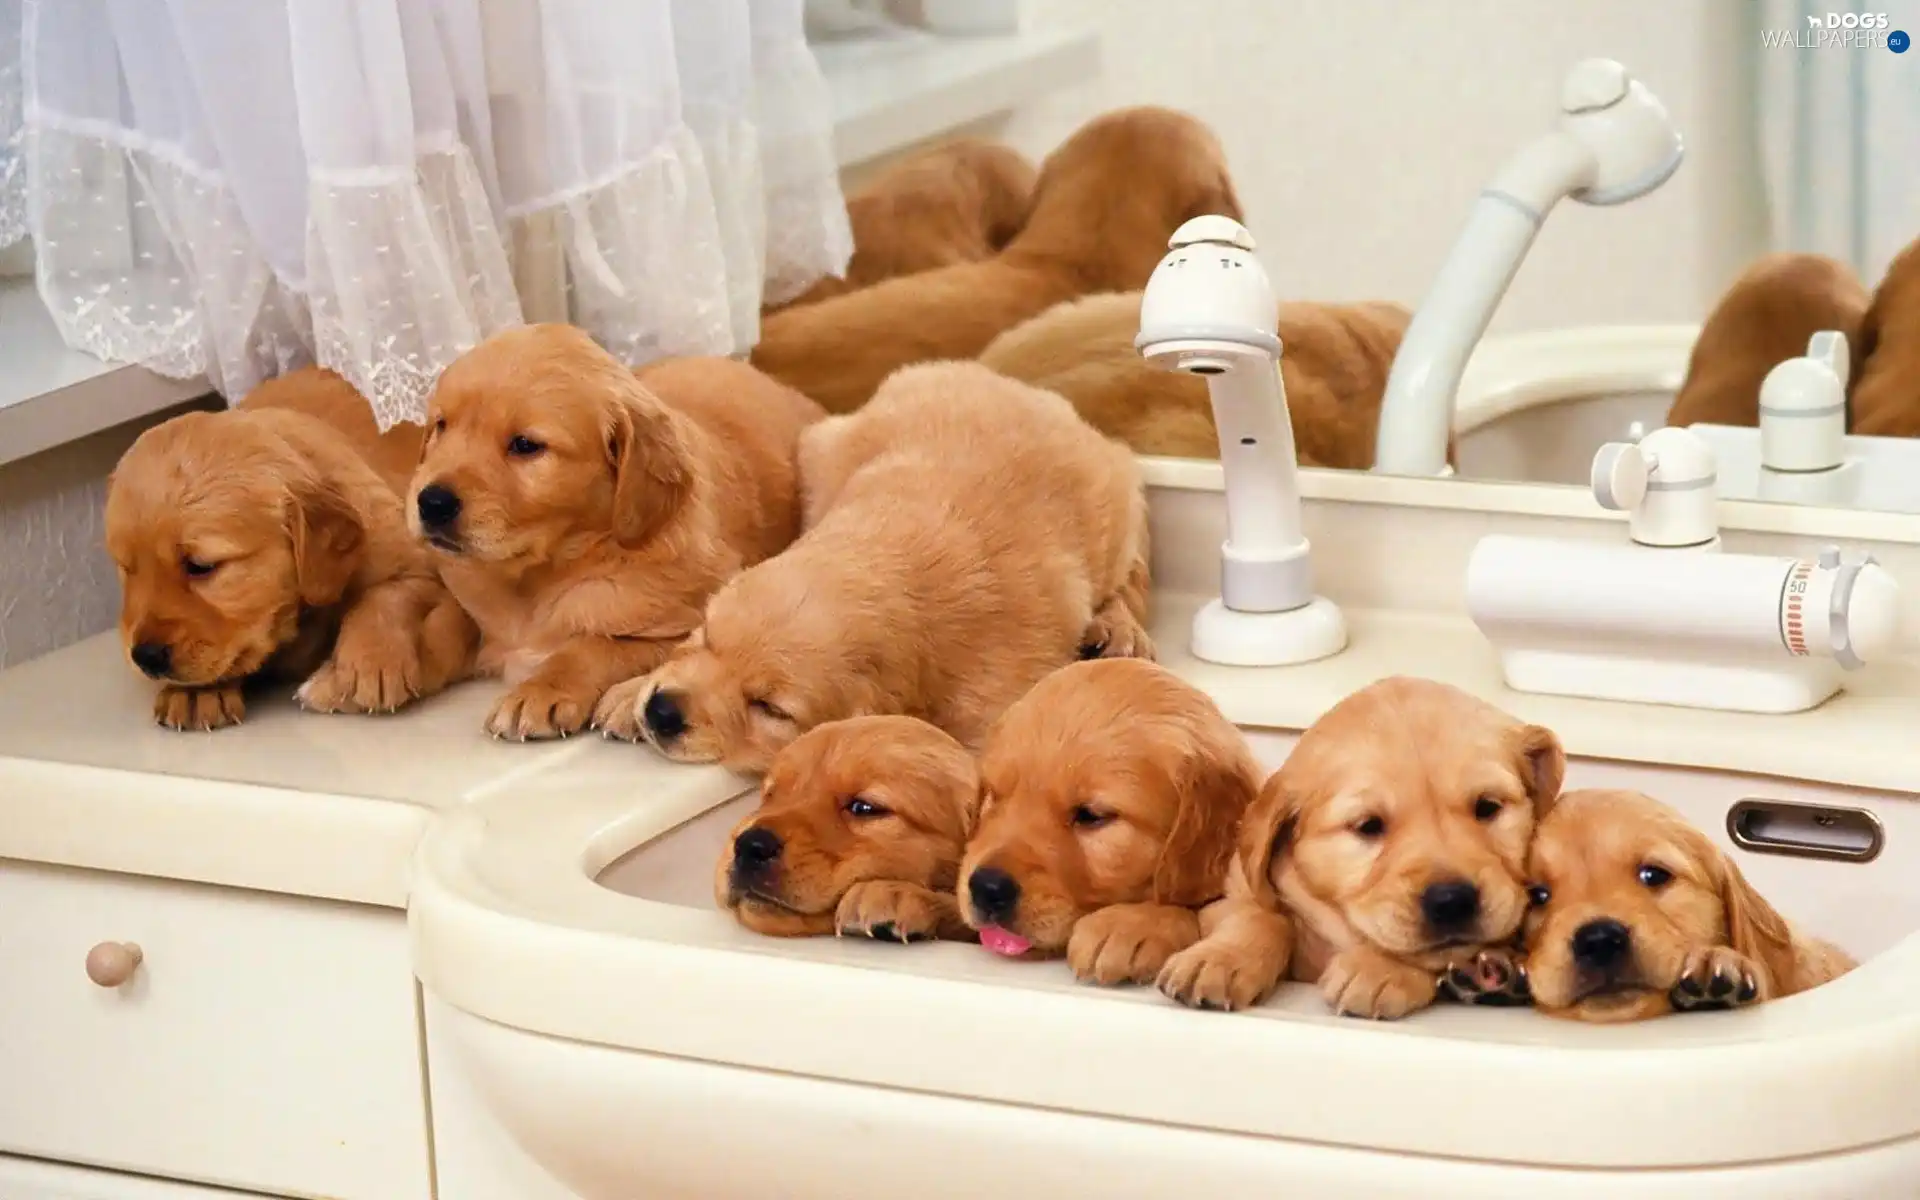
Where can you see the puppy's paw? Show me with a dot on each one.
(199, 709)
(1129, 943)
(1214, 977)
(774, 921)
(1361, 983)
(1716, 977)
(378, 681)
(618, 713)
(890, 912)
(536, 711)
(1114, 633)
(1496, 977)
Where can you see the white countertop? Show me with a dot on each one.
(331, 806)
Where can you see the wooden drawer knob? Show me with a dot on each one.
(111, 964)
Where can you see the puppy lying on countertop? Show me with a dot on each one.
(1106, 203)
(583, 514)
(965, 535)
(267, 543)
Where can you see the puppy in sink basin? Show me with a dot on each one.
(1110, 797)
(1636, 914)
(859, 831)
(1387, 854)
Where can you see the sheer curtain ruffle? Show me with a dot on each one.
(236, 187)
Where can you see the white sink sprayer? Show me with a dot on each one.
(1669, 619)
(1614, 143)
(1210, 310)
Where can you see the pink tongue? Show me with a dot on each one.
(1001, 941)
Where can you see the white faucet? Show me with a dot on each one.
(1210, 310)
(1668, 618)
(1614, 143)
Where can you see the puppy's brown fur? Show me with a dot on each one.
(1402, 787)
(1765, 318)
(865, 821)
(966, 534)
(262, 544)
(1885, 397)
(960, 202)
(1112, 792)
(1105, 205)
(1335, 365)
(1697, 934)
(598, 509)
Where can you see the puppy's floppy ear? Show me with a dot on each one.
(1265, 831)
(1213, 792)
(327, 539)
(1542, 764)
(652, 471)
(1756, 929)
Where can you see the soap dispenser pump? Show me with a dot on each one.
(1666, 483)
(1803, 409)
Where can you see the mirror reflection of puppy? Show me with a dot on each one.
(1105, 204)
(1394, 839)
(584, 514)
(859, 831)
(957, 202)
(1765, 318)
(262, 544)
(1112, 794)
(1637, 914)
(1884, 399)
(966, 535)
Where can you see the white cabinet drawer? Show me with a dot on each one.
(262, 1042)
(24, 1179)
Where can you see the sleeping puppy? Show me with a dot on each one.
(1394, 839)
(966, 534)
(584, 514)
(1111, 795)
(959, 202)
(262, 545)
(1765, 318)
(1636, 914)
(859, 831)
(1105, 205)
(1335, 366)
(1884, 400)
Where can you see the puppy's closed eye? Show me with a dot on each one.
(194, 568)
(1088, 816)
(768, 708)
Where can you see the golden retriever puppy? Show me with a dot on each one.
(966, 534)
(1884, 400)
(1636, 914)
(1111, 795)
(584, 514)
(1388, 851)
(262, 544)
(1103, 209)
(1335, 365)
(959, 202)
(1766, 317)
(859, 831)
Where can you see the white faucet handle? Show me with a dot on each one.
(1829, 349)
(1621, 472)
(1212, 228)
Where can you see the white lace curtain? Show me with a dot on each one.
(230, 188)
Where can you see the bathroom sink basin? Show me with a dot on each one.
(631, 1039)
(1555, 442)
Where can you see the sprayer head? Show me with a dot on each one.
(1633, 141)
(1209, 302)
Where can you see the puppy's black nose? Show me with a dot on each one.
(663, 716)
(154, 658)
(1601, 944)
(438, 504)
(755, 848)
(995, 893)
(1450, 905)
